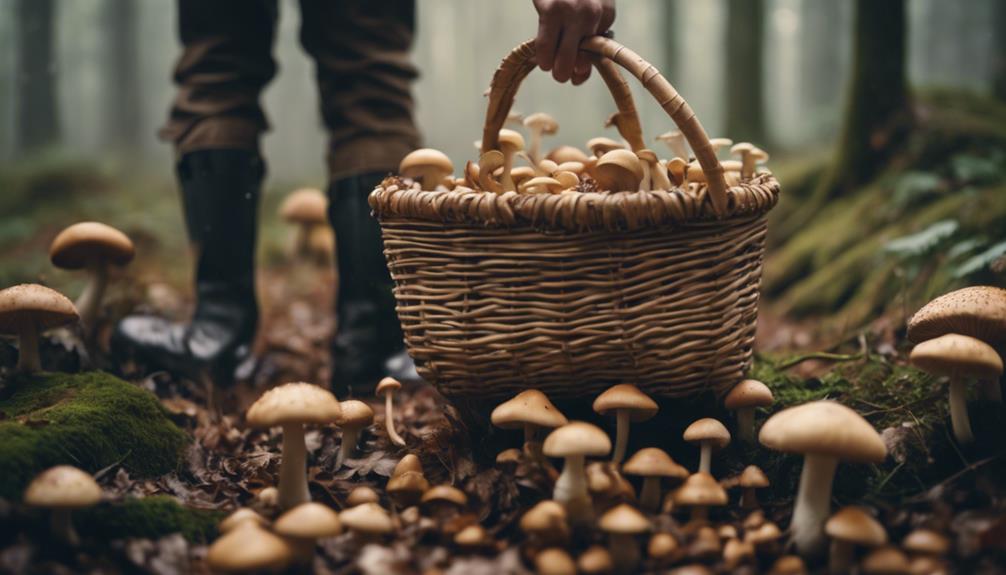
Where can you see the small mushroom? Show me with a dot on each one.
(743, 399)
(607, 486)
(788, 565)
(574, 442)
(601, 146)
(887, 560)
(539, 124)
(750, 480)
(545, 524)
(765, 538)
(531, 411)
(62, 489)
(654, 173)
(926, 542)
(368, 522)
(489, 162)
(408, 462)
(387, 387)
(508, 460)
(248, 548)
(510, 142)
(306, 524)
(705, 545)
(596, 560)
(718, 144)
(406, 489)
(651, 464)
(26, 311)
(825, 432)
(268, 498)
(543, 185)
(307, 209)
(737, 552)
(427, 166)
(95, 247)
(709, 433)
(238, 517)
(622, 524)
(675, 141)
(444, 502)
(522, 174)
(630, 405)
(618, 171)
(960, 358)
(356, 416)
(750, 155)
(292, 406)
(677, 170)
(565, 154)
(663, 548)
(554, 561)
(850, 527)
(699, 492)
(473, 539)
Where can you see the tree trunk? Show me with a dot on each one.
(821, 61)
(122, 85)
(672, 30)
(999, 54)
(37, 121)
(745, 119)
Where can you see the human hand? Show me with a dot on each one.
(562, 25)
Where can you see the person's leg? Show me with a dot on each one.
(364, 79)
(215, 124)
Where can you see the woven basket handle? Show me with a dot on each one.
(519, 63)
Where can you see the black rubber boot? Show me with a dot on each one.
(220, 196)
(368, 334)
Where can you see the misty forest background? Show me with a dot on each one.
(892, 164)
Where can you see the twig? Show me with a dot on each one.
(818, 355)
(881, 409)
(971, 467)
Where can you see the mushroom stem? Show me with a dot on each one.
(959, 411)
(649, 496)
(507, 180)
(840, 557)
(700, 513)
(300, 243)
(745, 425)
(624, 553)
(62, 527)
(27, 351)
(90, 299)
(813, 504)
(571, 490)
(989, 390)
(706, 457)
(749, 498)
(531, 445)
(293, 468)
(621, 435)
(533, 150)
(350, 437)
(389, 420)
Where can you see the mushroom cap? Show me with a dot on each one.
(691, 569)
(541, 121)
(387, 384)
(741, 148)
(34, 305)
(294, 403)
(419, 161)
(362, 494)
(669, 136)
(508, 456)
(238, 517)
(554, 561)
(248, 548)
(700, 489)
(80, 244)
(472, 536)
(546, 516)
(445, 493)
(887, 560)
(764, 533)
(718, 143)
(957, 356)
(309, 520)
(408, 483)
(368, 518)
(577, 438)
(977, 311)
(305, 206)
(618, 170)
(62, 487)
(661, 545)
(854, 525)
(824, 428)
(408, 462)
(355, 414)
(653, 462)
(529, 407)
(601, 146)
(707, 429)
(549, 184)
(626, 396)
(748, 393)
(647, 155)
(926, 541)
(736, 551)
(564, 154)
(753, 476)
(624, 519)
(596, 560)
(788, 565)
(510, 140)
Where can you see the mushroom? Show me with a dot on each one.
(663, 548)
(565, 154)
(926, 542)
(406, 489)
(601, 146)
(554, 561)
(765, 538)
(543, 185)
(709, 433)
(622, 524)
(356, 416)
(576, 441)
(750, 480)
(444, 501)
(62, 489)
(307, 208)
(387, 387)
(677, 169)
(368, 522)
(654, 173)
(607, 486)
(474, 538)
(292, 406)
(675, 141)
(361, 495)
(489, 162)
(238, 517)
(788, 565)
(706, 545)
(529, 410)
(268, 498)
(727, 532)
(95, 247)
(427, 166)
(596, 560)
(521, 174)
(824, 432)
(849, 527)
(508, 460)
(718, 144)
(700, 491)
(409, 462)
(26, 310)
(304, 525)
(887, 560)
(958, 357)
(743, 399)
(248, 548)
(510, 142)
(545, 524)
(618, 171)
(630, 405)
(737, 553)
(651, 464)
(750, 155)
(539, 124)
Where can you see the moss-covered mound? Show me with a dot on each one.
(151, 517)
(90, 420)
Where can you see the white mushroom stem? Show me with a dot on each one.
(746, 425)
(90, 299)
(649, 496)
(531, 444)
(293, 468)
(62, 527)
(813, 504)
(389, 419)
(840, 557)
(571, 490)
(624, 553)
(621, 435)
(507, 179)
(27, 351)
(959, 411)
(989, 390)
(301, 243)
(350, 437)
(705, 457)
(534, 148)
(646, 183)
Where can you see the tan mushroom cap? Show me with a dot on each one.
(854, 525)
(653, 461)
(565, 154)
(543, 184)
(62, 487)
(691, 569)
(541, 121)
(977, 311)
(662, 545)
(240, 516)
(472, 536)
(409, 483)
(527, 407)
(748, 393)
(80, 244)
(425, 161)
(369, 518)
(957, 356)
(626, 396)
(34, 305)
(305, 206)
(355, 414)
(294, 403)
(510, 140)
(577, 438)
(927, 542)
(886, 560)
(618, 170)
(508, 456)
(554, 561)
(601, 146)
(825, 428)
(361, 495)
(753, 476)
(764, 533)
(445, 493)
(707, 429)
(309, 520)
(700, 489)
(249, 548)
(387, 384)
(596, 560)
(788, 565)
(624, 519)
(408, 462)
(546, 516)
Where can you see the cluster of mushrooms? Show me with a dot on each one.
(609, 166)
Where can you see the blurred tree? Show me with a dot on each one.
(999, 53)
(672, 47)
(37, 121)
(745, 119)
(821, 61)
(122, 85)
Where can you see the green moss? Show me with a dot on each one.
(89, 420)
(152, 517)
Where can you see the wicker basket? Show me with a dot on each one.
(569, 293)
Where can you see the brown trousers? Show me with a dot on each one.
(361, 49)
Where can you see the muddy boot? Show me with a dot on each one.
(220, 193)
(368, 343)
